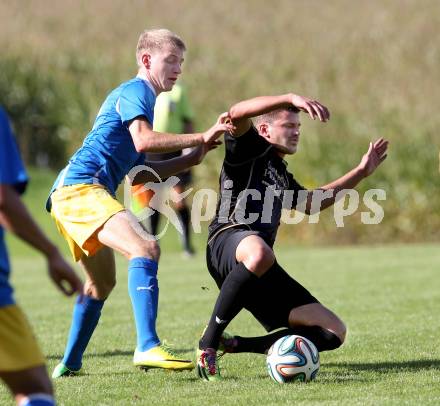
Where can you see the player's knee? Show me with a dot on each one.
(341, 330)
(325, 339)
(328, 340)
(334, 333)
(148, 249)
(333, 337)
(260, 259)
(100, 289)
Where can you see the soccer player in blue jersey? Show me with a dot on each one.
(83, 205)
(22, 365)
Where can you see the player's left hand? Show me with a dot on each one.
(313, 107)
(63, 275)
(375, 155)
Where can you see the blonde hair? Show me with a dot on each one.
(152, 40)
(272, 115)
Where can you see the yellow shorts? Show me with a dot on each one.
(79, 212)
(18, 347)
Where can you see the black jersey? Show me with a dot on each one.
(253, 182)
(162, 156)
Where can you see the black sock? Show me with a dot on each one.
(184, 218)
(323, 339)
(229, 303)
(152, 223)
(259, 345)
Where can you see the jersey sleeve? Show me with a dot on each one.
(12, 171)
(136, 100)
(244, 148)
(295, 188)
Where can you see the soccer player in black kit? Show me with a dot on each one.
(254, 187)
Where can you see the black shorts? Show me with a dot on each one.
(276, 293)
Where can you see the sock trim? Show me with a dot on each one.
(150, 265)
(37, 396)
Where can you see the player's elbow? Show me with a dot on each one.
(233, 113)
(143, 140)
(145, 145)
(236, 112)
(140, 146)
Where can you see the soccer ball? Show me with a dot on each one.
(293, 358)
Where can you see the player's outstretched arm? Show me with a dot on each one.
(147, 140)
(15, 218)
(173, 166)
(242, 112)
(376, 154)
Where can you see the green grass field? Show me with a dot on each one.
(389, 297)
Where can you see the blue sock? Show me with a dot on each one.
(144, 294)
(85, 317)
(38, 399)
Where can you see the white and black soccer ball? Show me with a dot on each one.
(293, 358)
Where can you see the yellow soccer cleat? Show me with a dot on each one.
(161, 357)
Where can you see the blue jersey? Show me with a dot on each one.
(108, 152)
(12, 173)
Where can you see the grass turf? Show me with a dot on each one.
(388, 296)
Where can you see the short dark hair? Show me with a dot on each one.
(271, 115)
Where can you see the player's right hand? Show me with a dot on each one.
(313, 107)
(222, 125)
(63, 275)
